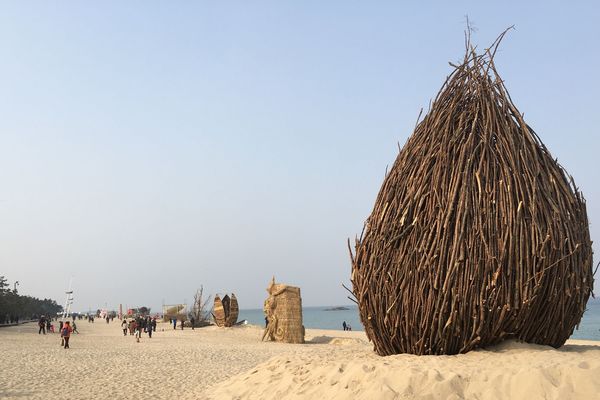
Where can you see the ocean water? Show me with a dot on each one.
(313, 317)
(319, 318)
(589, 328)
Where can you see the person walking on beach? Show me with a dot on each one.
(75, 328)
(181, 323)
(192, 321)
(124, 326)
(132, 326)
(138, 332)
(65, 334)
(344, 325)
(149, 329)
(141, 324)
(42, 325)
(48, 325)
(174, 323)
(154, 324)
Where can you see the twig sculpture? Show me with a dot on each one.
(477, 233)
(283, 310)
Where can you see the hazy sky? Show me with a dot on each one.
(147, 148)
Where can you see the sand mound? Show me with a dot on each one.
(338, 341)
(509, 371)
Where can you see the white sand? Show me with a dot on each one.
(348, 369)
(103, 364)
(232, 363)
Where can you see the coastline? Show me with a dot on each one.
(318, 317)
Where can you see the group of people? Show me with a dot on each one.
(65, 329)
(137, 326)
(9, 319)
(182, 322)
(133, 327)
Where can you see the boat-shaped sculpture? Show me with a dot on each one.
(226, 310)
(234, 311)
(219, 312)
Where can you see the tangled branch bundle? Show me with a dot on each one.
(477, 234)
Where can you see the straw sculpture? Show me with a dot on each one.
(226, 311)
(234, 311)
(283, 310)
(477, 234)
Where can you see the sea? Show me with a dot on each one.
(331, 317)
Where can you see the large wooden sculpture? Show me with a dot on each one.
(283, 310)
(477, 234)
(226, 311)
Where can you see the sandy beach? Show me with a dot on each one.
(232, 363)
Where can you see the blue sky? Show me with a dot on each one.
(150, 147)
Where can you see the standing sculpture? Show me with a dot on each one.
(226, 311)
(283, 310)
(477, 234)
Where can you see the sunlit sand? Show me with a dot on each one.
(232, 363)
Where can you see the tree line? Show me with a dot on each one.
(15, 307)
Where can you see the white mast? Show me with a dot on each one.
(69, 300)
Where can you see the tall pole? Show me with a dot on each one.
(69, 299)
